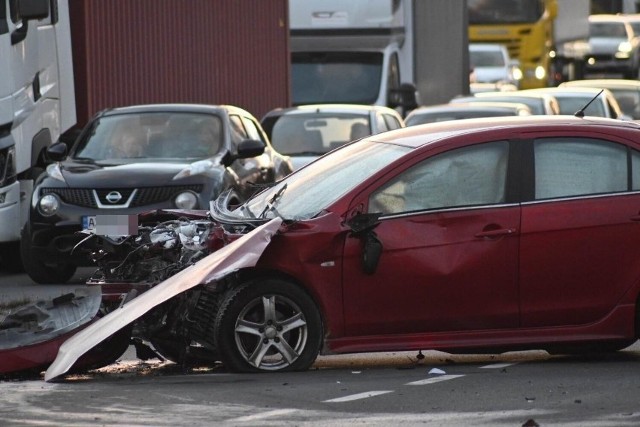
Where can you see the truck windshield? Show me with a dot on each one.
(335, 77)
(488, 12)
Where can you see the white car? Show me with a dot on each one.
(588, 100)
(460, 111)
(613, 46)
(490, 63)
(626, 92)
(306, 132)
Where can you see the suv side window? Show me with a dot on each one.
(566, 167)
(238, 133)
(468, 176)
(252, 129)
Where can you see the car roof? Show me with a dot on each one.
(565, 90)
(420, 135)
(331, 108)
(176, 107)
(606, 17)
(603, 83)
(470, 106)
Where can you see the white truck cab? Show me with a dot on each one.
(352, 52)
(37, 104)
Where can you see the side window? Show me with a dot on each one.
(635, 168)
(469, 176)
(382, 124)
(252, 129)
(238, 133)
(393, 80)
(392, 122)
(575, 167)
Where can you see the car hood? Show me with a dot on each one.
(491, 74)
(241, 253)
(133, 174)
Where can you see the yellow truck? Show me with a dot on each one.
(547, 37)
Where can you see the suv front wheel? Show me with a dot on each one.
(42, 272)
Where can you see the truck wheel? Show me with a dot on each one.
(266, 326)
(39, 271)
(10, 258)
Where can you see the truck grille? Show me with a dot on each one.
(84, 197)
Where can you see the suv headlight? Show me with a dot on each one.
(186, 200)
(624, 50)
(8, 166)
(49, 204)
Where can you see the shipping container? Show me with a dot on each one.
(196, 51)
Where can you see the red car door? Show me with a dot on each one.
(450, 249)
(579, 239)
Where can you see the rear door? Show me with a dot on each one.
(579, 247)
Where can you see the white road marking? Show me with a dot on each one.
(496, 365)
(358, 396)
(434, 379)
(268, 414)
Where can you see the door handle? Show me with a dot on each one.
(496, 233)
(635, 218)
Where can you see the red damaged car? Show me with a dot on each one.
(482, 235)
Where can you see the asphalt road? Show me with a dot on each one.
(380, 389)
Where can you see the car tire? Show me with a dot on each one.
(266, 326)
(39, 271)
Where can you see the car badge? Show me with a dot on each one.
(113, 197)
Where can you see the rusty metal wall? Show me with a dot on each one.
(203, 51)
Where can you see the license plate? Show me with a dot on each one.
(89, 222)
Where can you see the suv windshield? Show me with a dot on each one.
(312, 189)
(133, 137)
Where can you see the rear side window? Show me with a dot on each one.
(576, 167)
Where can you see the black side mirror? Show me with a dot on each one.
(405, 97)
(250, 148)
(57, 152)
(362, 226)
(33, 9)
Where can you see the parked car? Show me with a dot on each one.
(626, 92)
(591, 101)
(132, 159)
(539, 103)
(457, 111)
(491, 63)
(613, 46)
(309, 131)
(509, 233)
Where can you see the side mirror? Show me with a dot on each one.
(362, 226)
(57, 152)
(250, 148)
(405, 97)
(33, 9)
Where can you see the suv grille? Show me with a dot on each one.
(145, 196)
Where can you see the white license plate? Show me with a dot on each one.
(89, 222)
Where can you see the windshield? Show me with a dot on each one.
(317, 133)
(335, 77)
(615, 30)
(312, 189)
(488, 12)
(127, 138)
(486, 58)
